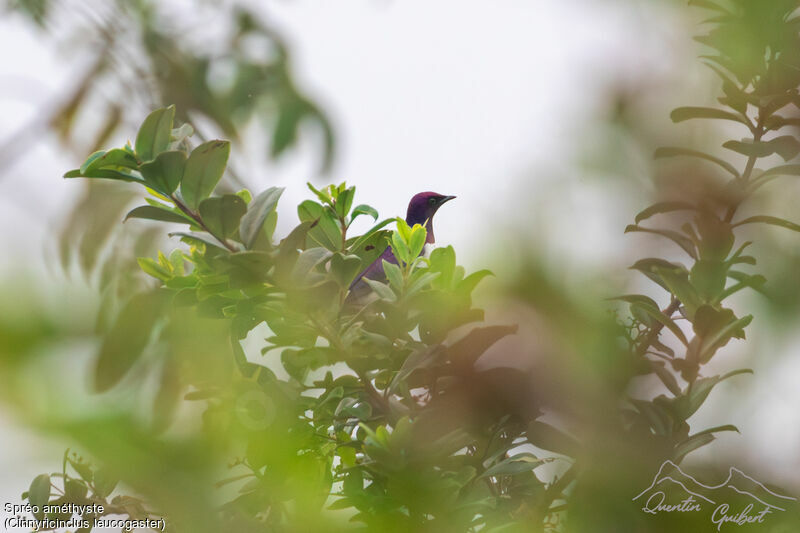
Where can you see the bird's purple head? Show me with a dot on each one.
(422, 207)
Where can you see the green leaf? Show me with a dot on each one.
(785, 146)
(257, 212)
(152, 268)
(104, 482)
(393, 274)
(420, 280)
(720, 337)
(468, 284)
(154, 133)
(221, 214)
(307, 260)
(648, 267)
(165, 172)
(163, 214)
(698, 391)
(364, 209)
(344, 201)
(418, 359)
(691, 444)
(774, 221)
(672, 151)
(663, 207)
(106, 173)
(199, 238)
(377, 227)
(89, 160)
(344, 268)
(656, 314)
(666, 377)
(323, 196)
(677, 282)
(416, 241)
(708, 278)
(381, 289)
(113, 158)
(125, 342)
(204, 169)
(400, 248)
(522, 462)
(717, 429)
(681, 240)
(39, 492)
(685, 113)
(637, 299)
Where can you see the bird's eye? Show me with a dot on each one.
(432, 200)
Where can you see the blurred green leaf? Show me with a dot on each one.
(127, 339)
(39, 491)
(672, 151)
(685, 113)
(774, 221)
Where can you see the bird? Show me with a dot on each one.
(421, 209)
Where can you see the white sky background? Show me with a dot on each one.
(483, 100)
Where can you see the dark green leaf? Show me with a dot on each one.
(154, 134)
(204, 169)
(681, 240)
(663, 207)
(364, 209)
(691, 444)
(522, 462)
(677, 282)
(165, 172)
(199, 237)
(113, 158)
(221, 214)
(158, 213)
(344, 268)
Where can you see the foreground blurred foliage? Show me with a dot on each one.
(377, 413)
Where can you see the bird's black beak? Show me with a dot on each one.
(446, 199)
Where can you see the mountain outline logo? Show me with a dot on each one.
(740, 499)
